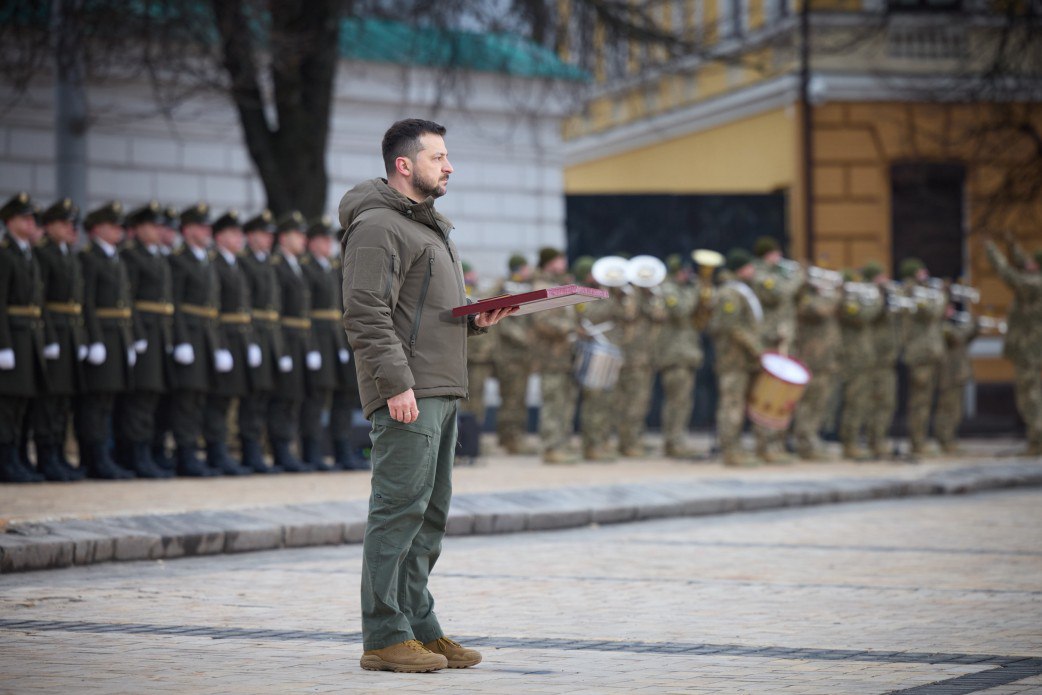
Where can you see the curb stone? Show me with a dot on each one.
(50, 545)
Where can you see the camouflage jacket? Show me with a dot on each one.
(856, 314)
(1024, 336)
(956, 368)
(818, 337)
(924, 342)
(735, 329)
(679, 344)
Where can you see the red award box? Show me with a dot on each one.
(536, 300)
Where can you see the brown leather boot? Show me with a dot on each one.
(456, 654)
(558, 456)
(405, 657)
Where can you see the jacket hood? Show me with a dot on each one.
(376, 194)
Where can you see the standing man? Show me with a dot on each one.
(108, 317)
(885, 330)
(480, 360)
(236, 330)
(923, 351)
(1023, 338)
(199, 352)
(63, 293)
(513, 362)
(818, 341)
(265, 300)
(636, 378)
(956, 371)
(22, 370)
(401, 280)
(860, 308)
(298, 351)
(152, 293)
(735, 327)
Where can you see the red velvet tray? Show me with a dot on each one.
(536, 300)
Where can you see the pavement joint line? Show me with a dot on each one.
(38, 545)
(1005, 673)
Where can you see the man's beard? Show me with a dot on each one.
(429, 189)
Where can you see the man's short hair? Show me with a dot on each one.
(402, 139)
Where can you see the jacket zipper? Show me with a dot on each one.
(419, 307)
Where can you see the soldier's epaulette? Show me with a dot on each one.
(276, 258)
(212, 254)
(179, 250)
(335, 261)
(128, 245)
(305, 259)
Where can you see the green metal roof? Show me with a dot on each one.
(384, 41)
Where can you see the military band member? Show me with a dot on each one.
(236, 330)
(199, 353)
(885, 332)
(480, 354)
(328, 339)
(265, 298)
(152, 294)
(956, 370)
(63, 297)
(22, 369)
(923, 350)
(677, 356)
(298, 355)
(636, 378)
(861, 305)
(513, 362)
(1023, 338)
(736, 329)
(817, 345)
(108, 315)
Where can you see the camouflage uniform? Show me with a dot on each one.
(597, 417)
(818, 341)
(956, 371)
(512, 361)
(1021, 345)
(735, 329)
(856, 314)
(636, 378)
(480, 367)
(555, 332)
(885, 332)
(923, 354)
(677, 356)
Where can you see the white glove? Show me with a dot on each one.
(140, 346)
(254, 356)
(285, 364)
(52, 351)
(7, 359)
(184, 354)
(314, 360)
(344, 356)
(81, 352)
(131, 357)
(97, 354)
(222, 361)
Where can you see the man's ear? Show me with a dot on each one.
(403, 165)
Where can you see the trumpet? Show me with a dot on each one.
(824, 279)
(986, 323)
(929, 293)
(896, 303)
(864, 292)
(964, 293)
(789, 267)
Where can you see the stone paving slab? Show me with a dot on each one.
(52, 544)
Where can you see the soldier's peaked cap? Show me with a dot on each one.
(62, 211)
(262, 222)
(109, 213)
(291, 221)
(323, 226)
(196, 214)
(18, 204)
(151, 213)
(228, 220)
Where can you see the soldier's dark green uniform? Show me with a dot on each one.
(151, 292)
(329, 339)
(22, 375)
(266, 300)
(63, 297)
(290, 385)
(196, 340)
(236, 326)
(108, 317)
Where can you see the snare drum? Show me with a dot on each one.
(597, 365)
(777, 390)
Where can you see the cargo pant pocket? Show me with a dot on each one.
(403, 457)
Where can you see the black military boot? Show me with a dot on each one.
(284, 459)
(47, 462)
(313, 459)
(348, 458)
(140, 461)
(253, 457)
(12, 470)
(71, 472)
(218, 460)
(189, 466)
(100, 465)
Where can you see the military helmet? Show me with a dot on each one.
(738, 258)
(909, 267)
(871, 270)
(582, 266)
(764, 245)
(516, 262)
(547, 254)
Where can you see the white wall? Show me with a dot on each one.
(504, 141)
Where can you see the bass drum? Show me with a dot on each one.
(597, 365)
(777, 390)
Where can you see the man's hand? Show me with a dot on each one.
(487, 319)
(403, 407)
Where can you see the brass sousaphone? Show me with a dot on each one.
(708, 261)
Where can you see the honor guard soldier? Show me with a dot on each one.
(63, 297)
(169, 240)
(151, 293)
(265, 298)
(298, 355)
(198, 353)
(347, 454)
(22, 369)
(327, 336)
(236, 325)
(736, 327)
(108, 317)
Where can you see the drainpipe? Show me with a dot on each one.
(70, 113)
(807, 130)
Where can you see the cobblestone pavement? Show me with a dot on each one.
(925, 595)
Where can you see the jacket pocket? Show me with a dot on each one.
(419, 305)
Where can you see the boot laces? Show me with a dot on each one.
(416, 646)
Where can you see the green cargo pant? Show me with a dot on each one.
(408, 510)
